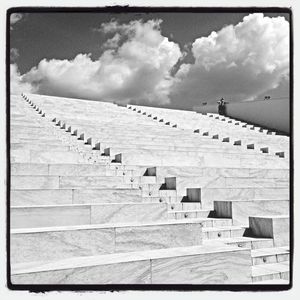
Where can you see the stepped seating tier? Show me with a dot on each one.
(141, 195)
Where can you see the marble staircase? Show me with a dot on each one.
(112, 195)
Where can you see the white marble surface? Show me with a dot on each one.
(40, 197)
(153, 237)
(106, 195)
(59, 244)
(180, 262)
(77, 170)
(222, 268)
(24, 217)
(34, 182)
(28, 169)
(128, 212)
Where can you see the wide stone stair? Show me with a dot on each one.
(103, 194)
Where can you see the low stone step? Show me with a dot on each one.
(273, 281)
(84, 240)
(249, 242)
(270, 272)
(81, 214)
(270, 255)
(204, 159)
(76, 182)
(41, 146)
(190, 265)
(25, 197)
(32, 156)
(208, 195)
(162, 172)
(222, 232)
(240, 210)
(83, 169)
(182, 183)
(45, 140)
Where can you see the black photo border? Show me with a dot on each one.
(146, 287)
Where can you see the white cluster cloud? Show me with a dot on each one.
(135, 67)
(238, 63)
(17, 83)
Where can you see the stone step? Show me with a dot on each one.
(71, 241)
(208, 195)
(220, 232)
(209, 159)
(270, 272)
(23, 197)
(162, 172)
(248, 242)
(112, 151)
(48, 147)
(240, 210)
(273, 282)
(28, 140)
(38, 156)
(79, 182)
(275, 227)
(81, 214)
(77, 169)
(189, 265)
(182, 183)
(187, 214)
(270, 255)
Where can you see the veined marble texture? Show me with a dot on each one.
(28, 197)
(26, 217)
(244, 193)
(34, 182)
(38, 147)
(123, 273)
(64, 215)
(167, 236)
(55, 157)
(64, 242)
(144, 212)
(28, 169)
(94, 182)
(256, 182)
(59, 244)
(156, 159)
(221, 268)
(189, 265)
(106, 195)
(77, 170)
(19, 156)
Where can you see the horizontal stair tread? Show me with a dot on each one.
(266, 269)
(89, 204)
(106, 259)
(269, 251)
(243, 239)
(223, 228)
(107, 225)
(273, 281)
(191, 211)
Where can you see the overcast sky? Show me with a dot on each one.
(160, 59)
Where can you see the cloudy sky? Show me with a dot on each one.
(159, 59)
